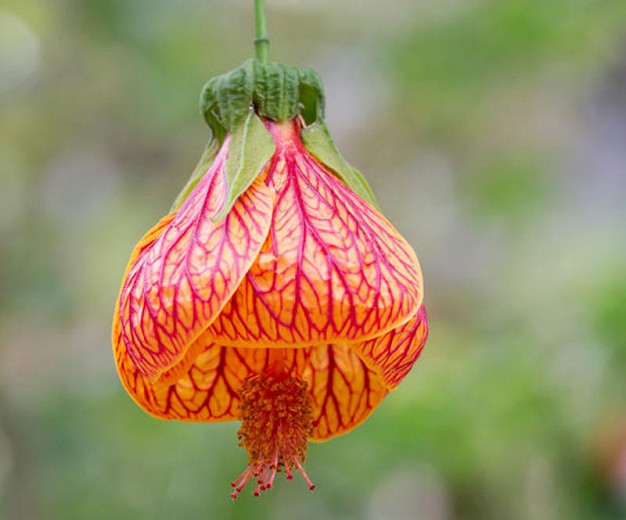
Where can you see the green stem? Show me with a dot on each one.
(261, 39)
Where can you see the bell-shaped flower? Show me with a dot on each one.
(275, 292)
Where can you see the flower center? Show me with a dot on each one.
(276, 414)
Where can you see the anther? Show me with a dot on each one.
(276, 414)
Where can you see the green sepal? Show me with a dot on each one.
(207, 158)
(319, 143)
(311, 92)
(251, 147)
(225, 99)
(276, 91)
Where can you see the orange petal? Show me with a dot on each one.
(122, 361)
(344, 390)
(332, 269)
(393, 354)
(208, 392)
(177, 282)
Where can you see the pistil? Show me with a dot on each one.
(276, 414)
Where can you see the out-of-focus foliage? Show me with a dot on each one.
(493, 132)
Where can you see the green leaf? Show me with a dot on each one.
(320, 144)
(210, 151)
(251, 147)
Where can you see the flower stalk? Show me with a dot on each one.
(261, 39)
(274, 292)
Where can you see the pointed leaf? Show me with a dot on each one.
(210, 151)
(318, 142)
(251, 147)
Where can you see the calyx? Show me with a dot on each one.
(236, 103)
(275, 91)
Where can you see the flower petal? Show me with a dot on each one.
(207, 392)
(393, 354)
(343, 389)
(332, 269)
(177, 282)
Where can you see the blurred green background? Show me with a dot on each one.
(494, 135)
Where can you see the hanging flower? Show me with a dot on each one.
(274, 293)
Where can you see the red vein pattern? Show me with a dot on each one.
(344, 390)
(393, 354)
(300, 270)
(179, 282)
(332, 268)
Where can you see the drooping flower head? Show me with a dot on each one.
(274, 292)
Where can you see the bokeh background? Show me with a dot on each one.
(494, 135)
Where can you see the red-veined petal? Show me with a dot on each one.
(344, 390)
(393, 354)
(178, 281)
(332, 269)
